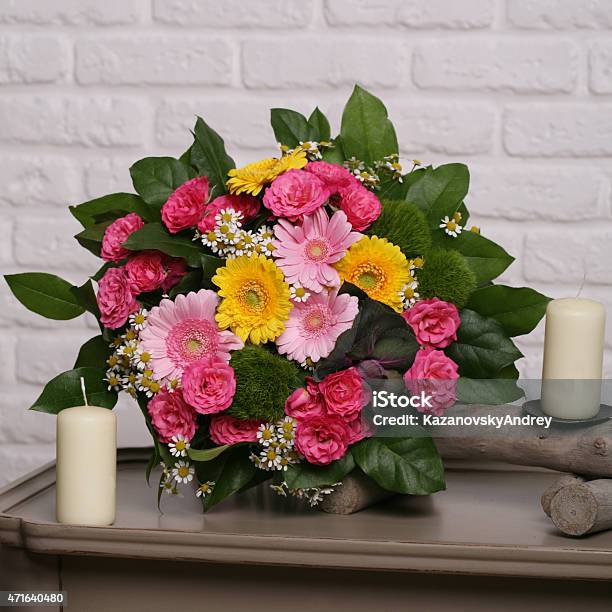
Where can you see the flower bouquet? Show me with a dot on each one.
(247, 309)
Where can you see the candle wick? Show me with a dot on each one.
(83, 390)
(582, 283)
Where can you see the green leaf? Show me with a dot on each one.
(404, 465)
(231, 471)
(192, 281)
(91, 237)
(490, 392)
(86, 297)
(440, 191)
(482, 348)
(486, 259)
(366, 131)
(290, 127)
(210, 263)
(64, 391)
(111, 206)
(306, 475)
(154, 236)
(155, 178)
(518, 309)
(207, 454)
(319, 126)
(208, 155)
(93, 354)
(45, 294)
(335, 153)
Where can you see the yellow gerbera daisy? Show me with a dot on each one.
(255, 302)
(378, 267)
(253, 177)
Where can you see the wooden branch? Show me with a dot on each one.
(357, 492)
(583, 508)
(555, 487)
(586, 451)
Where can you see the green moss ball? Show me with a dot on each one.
(263, 383)
(403, 224)
(447, 276)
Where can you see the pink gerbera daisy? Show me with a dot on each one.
(182, 331)
(305, 253)
(314, 326)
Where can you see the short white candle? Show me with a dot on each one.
(573, 358)
(86, 466)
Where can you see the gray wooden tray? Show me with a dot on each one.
(488, 522)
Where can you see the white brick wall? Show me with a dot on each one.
(520, 89)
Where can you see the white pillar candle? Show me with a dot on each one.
(86, 466)
(573, 358)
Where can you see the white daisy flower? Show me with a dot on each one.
(270, 458)
(141, 359)
(266, 434)
(168, 486)
(138, 319)
(298, 293)
(285, 430)
(228, 215)
(211, 240)
(206, 488)
(182, 472)
(450, 226)
(128, 349)
(114, 380)
(178, 446)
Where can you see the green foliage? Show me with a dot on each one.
(154, 236)
(486, 259)
(207, 454)
(291, 128)
(378, 332)
(403, 224)
(263, 383)
(45, 294)
(491, 392)
(93, 354)
(517, 309)
(439, 192)
(447, 276)
(86, 297)
(306, 475)
(64, 391)
(405, 465)
(208, 155)
(155, 178)
(482, 349)
(91, 237)
(111, 207)
(366, 131)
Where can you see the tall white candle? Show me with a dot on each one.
(86, 466)
(573, 358)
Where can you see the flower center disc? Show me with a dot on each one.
(254, 296)
(191, 339)
(317, 250)
(316, 321)
(369, 276)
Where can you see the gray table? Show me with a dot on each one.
(484, 544)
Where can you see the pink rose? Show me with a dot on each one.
(145, 271)
(175, 269)
(361, 206)
(345, 393)
(209, 384)
(322, 439)
(225, 429)
(115, 298)
(244, 203)
(305, 403)
(434, 322)
(171, 416)
(334, 176)
(435, 374)
(294, 194)
(116, 234)
(185, 206)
